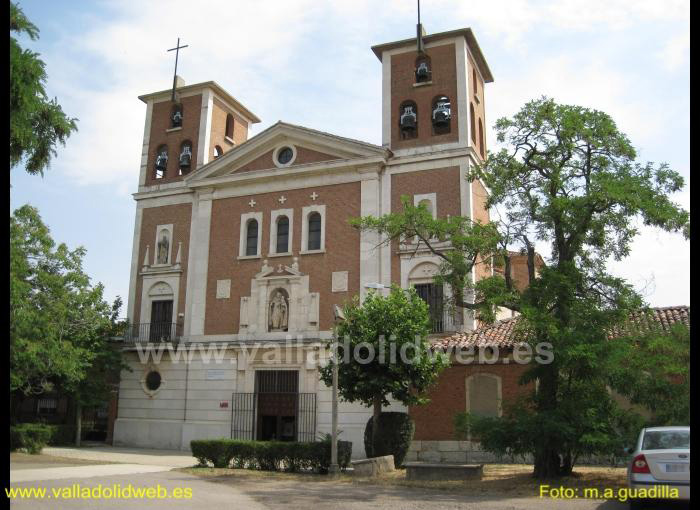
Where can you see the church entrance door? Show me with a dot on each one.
(277, 392)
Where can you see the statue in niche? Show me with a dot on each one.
(279, 312)
(163, 245)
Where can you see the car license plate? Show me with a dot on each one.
(675, 468)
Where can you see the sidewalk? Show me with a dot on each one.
(149, 457)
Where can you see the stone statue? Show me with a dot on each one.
(278, 313)
(163, 245)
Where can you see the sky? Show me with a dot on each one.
(309, 62)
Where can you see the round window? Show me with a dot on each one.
(153, 380)
(285, 155)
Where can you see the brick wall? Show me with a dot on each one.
(218, 129)
(304, 156)
(434, 421)
(160, 122)
(444, 182)
(444, 82)
(180, 217)
(341, 245)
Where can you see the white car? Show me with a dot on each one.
(661, 460)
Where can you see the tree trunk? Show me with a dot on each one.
(78, 422)
(377, 409)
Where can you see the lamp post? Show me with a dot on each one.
(333, 468)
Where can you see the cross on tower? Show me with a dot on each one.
(177, 53)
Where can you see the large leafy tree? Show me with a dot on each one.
(383, 351)
(37, 124)
(566, 178)
(60, 325)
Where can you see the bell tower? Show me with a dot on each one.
(433, 93)
(187, 127)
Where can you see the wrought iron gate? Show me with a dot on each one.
(245, 416)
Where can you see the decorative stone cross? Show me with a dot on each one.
(314, 195)
(252, 203)
(282, 199)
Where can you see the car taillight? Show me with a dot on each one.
(639, 464)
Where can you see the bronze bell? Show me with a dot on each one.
(422, 72)
(162, 161)
(186, 157)
(408, 119)
(442, 113)
(177, 118)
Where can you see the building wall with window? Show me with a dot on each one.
(252, 244)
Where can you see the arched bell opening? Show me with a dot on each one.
(408, 120)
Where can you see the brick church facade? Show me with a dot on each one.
(244, 242)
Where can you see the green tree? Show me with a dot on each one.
(383, 351)
(60, 326)
(37, 124)
(567, 178)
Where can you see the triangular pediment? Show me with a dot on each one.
(310, 148)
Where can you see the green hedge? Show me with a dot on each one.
(394, 438)
(31, 437)
(269, 455)
(62, 435)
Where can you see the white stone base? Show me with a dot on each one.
(456, 452)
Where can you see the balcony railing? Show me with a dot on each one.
(153, 332)
(446, 322)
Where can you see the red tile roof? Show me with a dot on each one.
(505, 333)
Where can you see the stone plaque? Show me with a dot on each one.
(215, 375)
(223, 289)
(339, 281)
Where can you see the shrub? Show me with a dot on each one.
(31, 437)
(270, 455)
(62, 435)
(394, 436)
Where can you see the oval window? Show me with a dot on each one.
(285, 155)
(153, 380)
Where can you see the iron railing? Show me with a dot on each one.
(246, 413)
(153, 332)
(448, 321)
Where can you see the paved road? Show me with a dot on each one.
(205, 494)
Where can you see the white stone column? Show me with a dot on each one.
(198, 264)
(461, 54)
(134, 262)
(145, 147)
(205, 128)
(370, 254)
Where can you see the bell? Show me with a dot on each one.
(161, 162)
(177, 119)
(408, 120)
(185, 159)
(422, 72)
(442, 114)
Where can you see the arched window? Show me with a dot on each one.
(423, 69)
(176, 115)
(442, 115)
(472, 122)
(481, 139)
(484, 395)
(251, 243)
(314, 231)
(218, 151)
(408, 120)
(185, 157)
(428, 205)
(161, 164)
(229, 126)
(282, 245)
